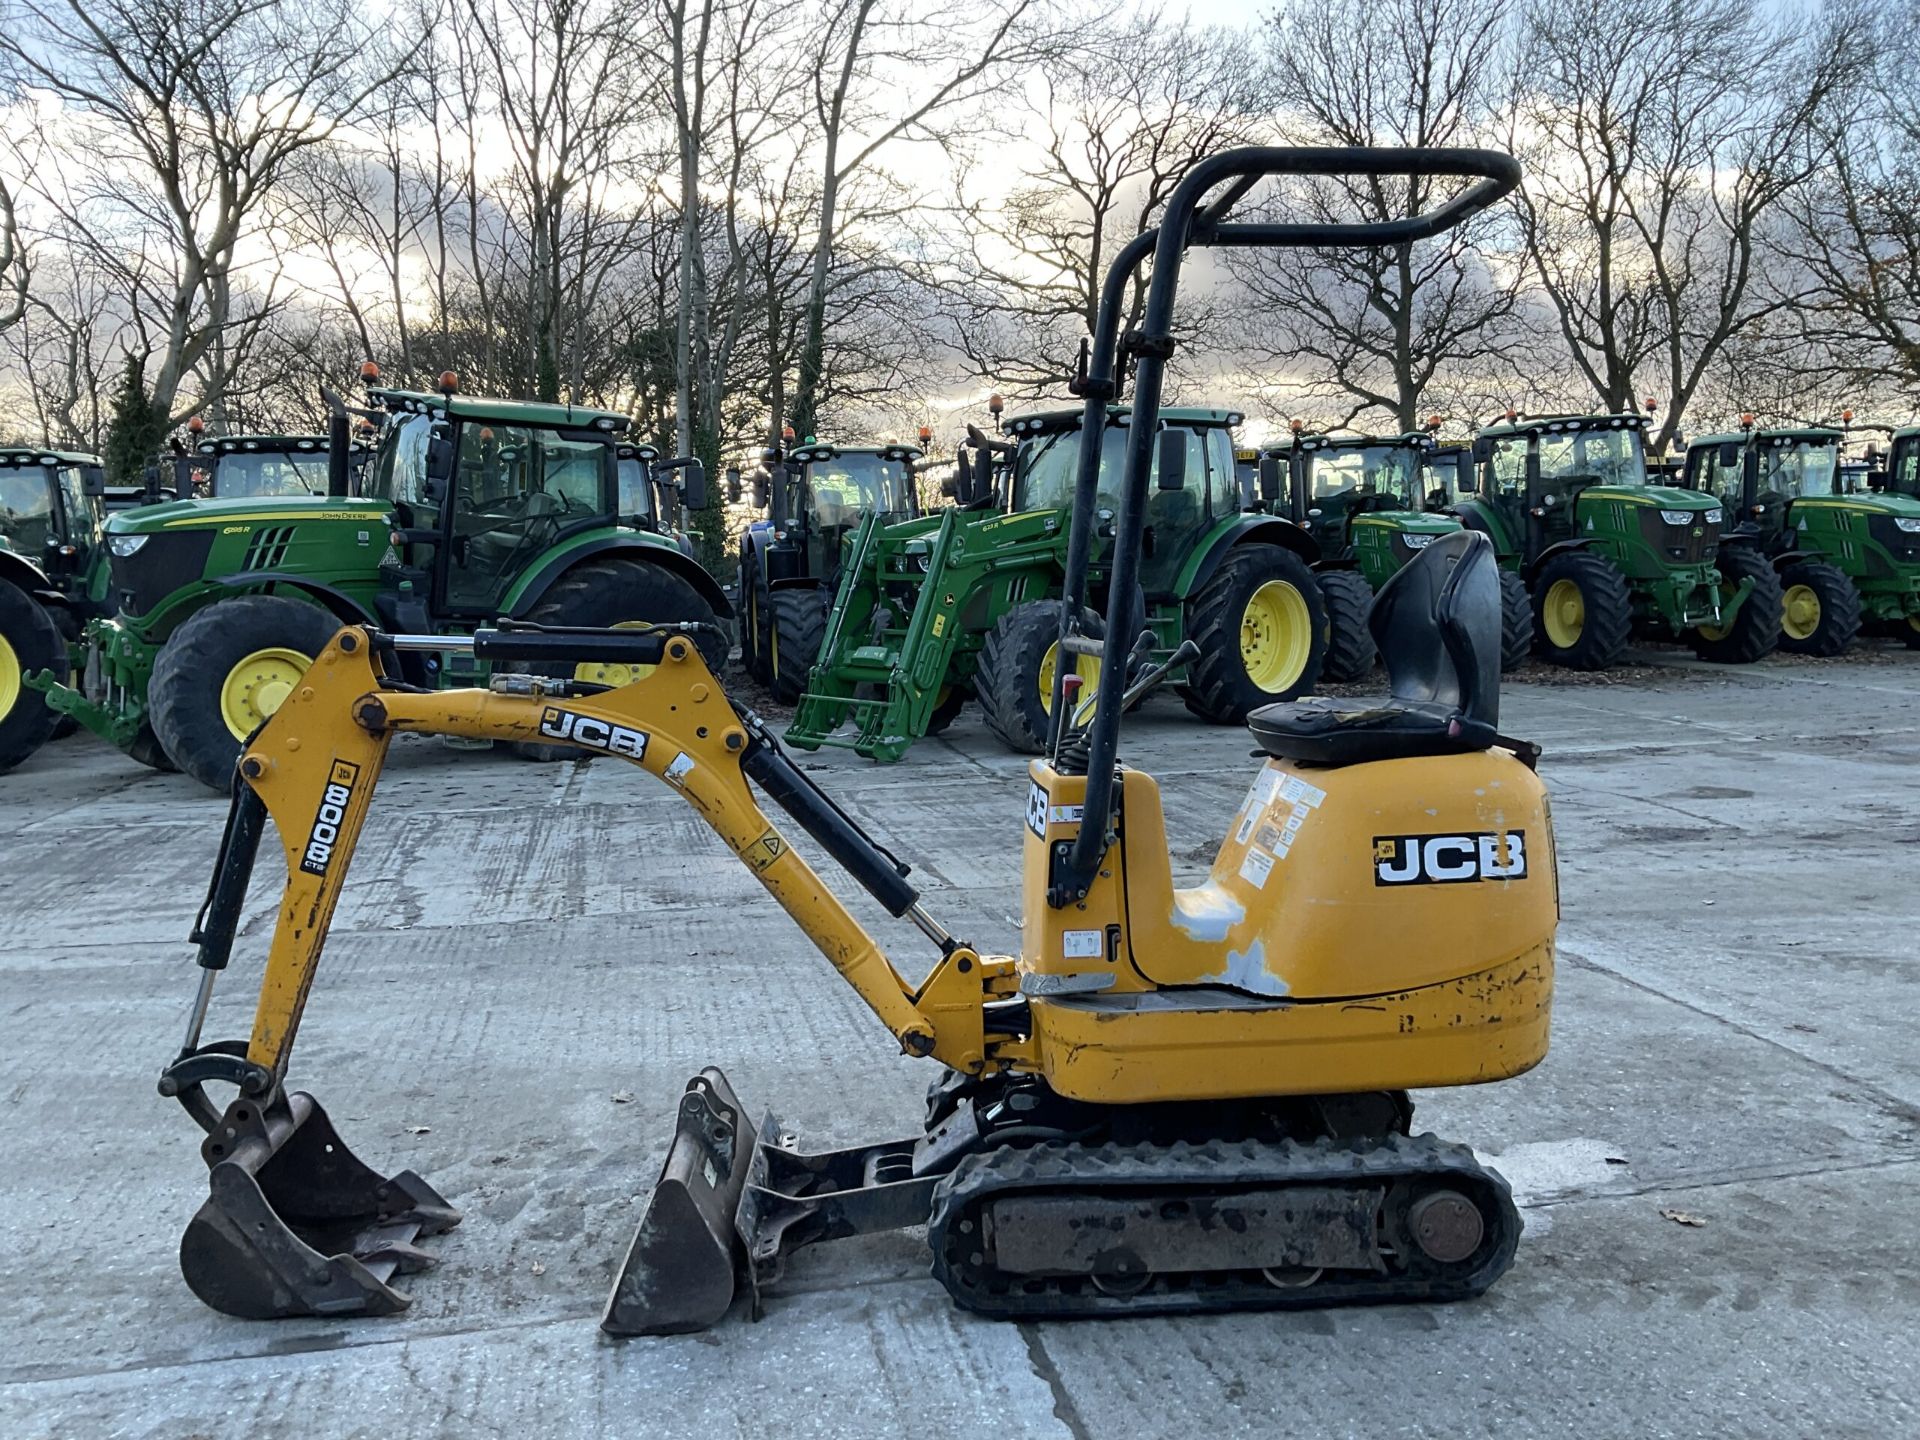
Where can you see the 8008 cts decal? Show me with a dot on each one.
(1449, 859)
(558, 724)
(325, 831)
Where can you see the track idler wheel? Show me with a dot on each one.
(296, 1224)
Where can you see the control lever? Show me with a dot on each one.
(1186, 654)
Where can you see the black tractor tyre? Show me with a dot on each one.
(947, 708)
(1516, 622)
(1834, 603)
(29, 641)
(1755, 630)
(1597, 631)
(147, 749)
(1350, 649)
(1219, 686)
(603, 594)
(1909, 631)
(1012, 662)
(192, 669)
(798, 624)
(753, 619)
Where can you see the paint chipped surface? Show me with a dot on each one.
(1206, 912)
(1247, 970)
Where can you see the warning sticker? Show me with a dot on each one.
(1268, 785)
(1256, 867)
(1299, 792)
(681, 767)
(1246, 827)
(764, 851)
(1083, 944)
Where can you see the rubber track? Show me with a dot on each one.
(1219, 1166)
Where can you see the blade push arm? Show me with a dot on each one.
(315, 765)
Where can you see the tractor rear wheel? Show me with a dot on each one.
(29, 641)
(1755, 627)
(1820, 609)
(1261, 625)
(798, 628)
(617, 594)
(1583, 613)
(1516, 622)
(753, 618)
(1015, 678)
(224, 673)
(1350, 649)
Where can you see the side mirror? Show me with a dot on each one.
(150, 483)
(183, 478)
(1271, 481)
(1729, 456)
(1173, 460)
(950, 486)
(733, 484)
(93, 481)
(760, 490)
(693, 485)
(1482, 449)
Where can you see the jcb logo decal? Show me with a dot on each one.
(328, 819)
(1449, 859)
(558, 724)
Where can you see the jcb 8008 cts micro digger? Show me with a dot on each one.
(1171, 1100)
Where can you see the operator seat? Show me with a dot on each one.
(1437, 625)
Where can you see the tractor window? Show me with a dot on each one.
(1509, 466)
(515, 492)
(1444, 474)
(244, 473)
(1223, 480)
(26, 509)
(1904, 473)
(399, 470)
(1727, 483)
(83, 510)
(843, 491)
(1594, 457)
(1799, 468)
(636, 489)
(1046, 466)
(1368, 470)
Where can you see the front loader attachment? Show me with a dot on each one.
(296, 1224)
(734, 1200)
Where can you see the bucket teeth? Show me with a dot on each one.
(296, 1224)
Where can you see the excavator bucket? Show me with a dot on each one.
(734, 1200)
(296, 1224)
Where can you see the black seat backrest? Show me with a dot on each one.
(1437, 625)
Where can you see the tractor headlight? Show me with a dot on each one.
(1683, 517)
(125, 546)
(1417, 542)
(1908, 523)
(1713, 516)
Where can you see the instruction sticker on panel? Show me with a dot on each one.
(1083, 944)
(1256, 867)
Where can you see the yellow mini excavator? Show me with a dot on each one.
(1172, 1100)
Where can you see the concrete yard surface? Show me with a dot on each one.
(1717, 1162)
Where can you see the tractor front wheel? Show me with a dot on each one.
(1755, 627)
(224, 673)
(1583, 613)
(616, 594)
(1017, 665)
(754, 626)
(29, 641)
(1516, 622)
(1261, 625)
(1350, 650)
(1819, 609)
(798, 625)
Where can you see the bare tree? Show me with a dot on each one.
(1654, 163)
(1116, 121)
(1380, 328)
(15, 268)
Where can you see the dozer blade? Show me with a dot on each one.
(296, 1224)
(679, 1272)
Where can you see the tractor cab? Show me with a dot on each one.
(1538, 472)
(1903, 463)
(257, 467)
(1333, 479)
(1194, 485)
(818, 494)
(1759, 475)
(52, 511)
(1446, 476)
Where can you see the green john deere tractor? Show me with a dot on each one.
(1364, 501)
(1566, 502)
(816, 496)
(53, 579)
(253, 467)
(1844, 558)
(471, 512)
(966, 602)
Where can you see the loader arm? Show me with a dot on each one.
(315, 766)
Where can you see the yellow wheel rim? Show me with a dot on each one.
(9, 677)
(1087, 667)
(1800, 615)
(1913, 622)
(1276, 637)
(258, 686)
(598, 672)
(1565, 614)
